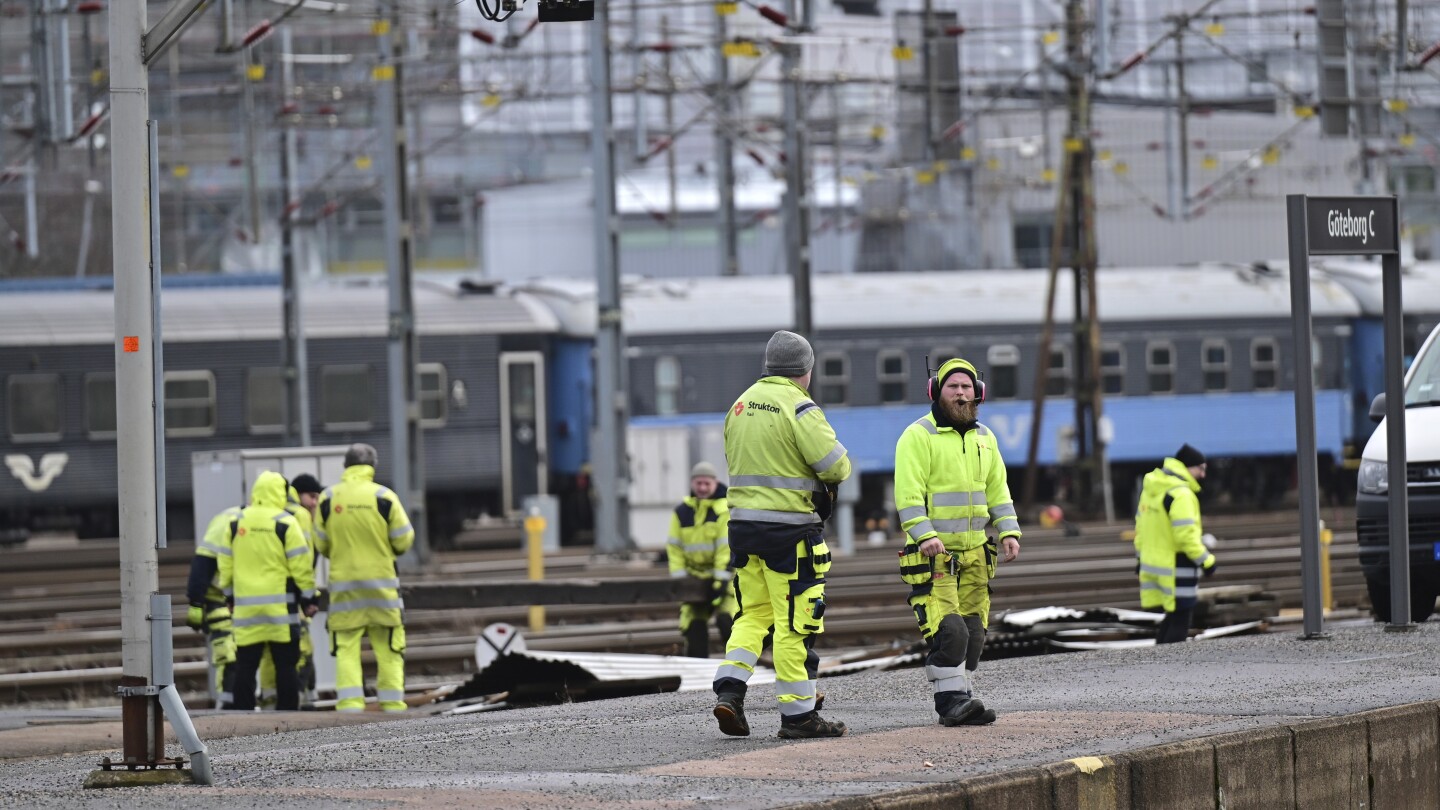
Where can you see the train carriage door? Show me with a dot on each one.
(524, 466)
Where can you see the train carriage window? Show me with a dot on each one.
(1160, 366)
(667, 385)
(1215, 364)
(265, 400)
(834, 383)
(1057, 374)
(1004, 382)
(189, 403)
(1264, 361)
(100, 405)
(1112, 369)
(890, 372)
(34, 407)
(345, 399)
(433, 394)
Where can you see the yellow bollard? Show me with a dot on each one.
(535, 548)
(1326, 594)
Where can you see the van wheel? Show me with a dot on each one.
(1422, 599)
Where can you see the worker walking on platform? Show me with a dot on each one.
(950, 484)
(1171, 554)
(304, 495)
(783, 459)
(209, 610)
(362, 528)
(267, 569)
(699, 546)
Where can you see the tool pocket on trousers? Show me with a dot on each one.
(920, 603)
(991, 557)
(807, 606)
(222, 647)
(915, 568)
(820, 559)
(397, 639)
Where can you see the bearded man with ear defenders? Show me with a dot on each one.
(949, 484)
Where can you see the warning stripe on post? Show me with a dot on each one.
(130, 344)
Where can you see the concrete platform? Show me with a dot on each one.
(1261, 721)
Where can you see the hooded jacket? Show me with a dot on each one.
(1167, 528)
(267, 553)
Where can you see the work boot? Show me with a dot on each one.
(730, 711)
(984, 718)
(958, 708)
(810, 725)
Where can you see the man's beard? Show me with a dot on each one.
(962, 411)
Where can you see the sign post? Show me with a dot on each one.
(1347, 226)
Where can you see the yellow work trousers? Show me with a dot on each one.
(772, 598)
(967, 593)
(220, 638)
(388, 644)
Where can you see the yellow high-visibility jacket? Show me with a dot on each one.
(781, 452)
(362, 528)
(950, 486)
(214, 544)
(267, 552)
(1167, 523)
(699, 544)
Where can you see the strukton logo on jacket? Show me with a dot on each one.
(339, 509)
(739, 408)
(51, 465)
(762, 406)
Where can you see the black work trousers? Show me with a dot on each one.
(287, 680)
(1175, 627)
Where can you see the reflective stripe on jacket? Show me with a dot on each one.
(950, 486)
(361, 526)
(1167, 524)
(698, 544)
(268, 552)
(781, 452)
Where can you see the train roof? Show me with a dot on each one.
(251, 312)
(983, 297)
(1419, 284)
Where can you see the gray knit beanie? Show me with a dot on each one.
(788, 355)
(704, 468)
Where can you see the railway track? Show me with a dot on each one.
(60, 639)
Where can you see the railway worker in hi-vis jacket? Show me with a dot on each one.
(1169, 545)
(362, 528)
(949, 485)
(267, 570)
(784, 462)
(304, 496)
(699, 546)
(209, 610)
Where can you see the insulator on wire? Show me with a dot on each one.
(1430, 53)
(90, 7)
(954, 31)
(774, 16)
(483, 36)
(1131, 62)
(257, 33)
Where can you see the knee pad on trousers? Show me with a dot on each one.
(948, 645)
(976, 642)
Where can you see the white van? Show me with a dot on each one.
(1422, 457)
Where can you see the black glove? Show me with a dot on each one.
(717, 592)
(1210, 572)
(825, 503)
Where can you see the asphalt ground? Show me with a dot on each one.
(666, 752)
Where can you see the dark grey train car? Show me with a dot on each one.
(223, 391)
(1199, 354)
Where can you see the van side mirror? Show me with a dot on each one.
(1377, 408)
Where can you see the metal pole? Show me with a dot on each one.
(294, 358)
(252, 171)
(797, 196)
(1183, 117)
(1395, 444)
(32, 213)
(66, 102)
(671, 171)
(927, 66)
(407, 470)
(182, 260)
(724, 152)
(637, 85)
(1308, 479)
(136, 374)
(612, 469)
(1172, 152)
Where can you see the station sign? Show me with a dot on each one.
(1351, 226)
